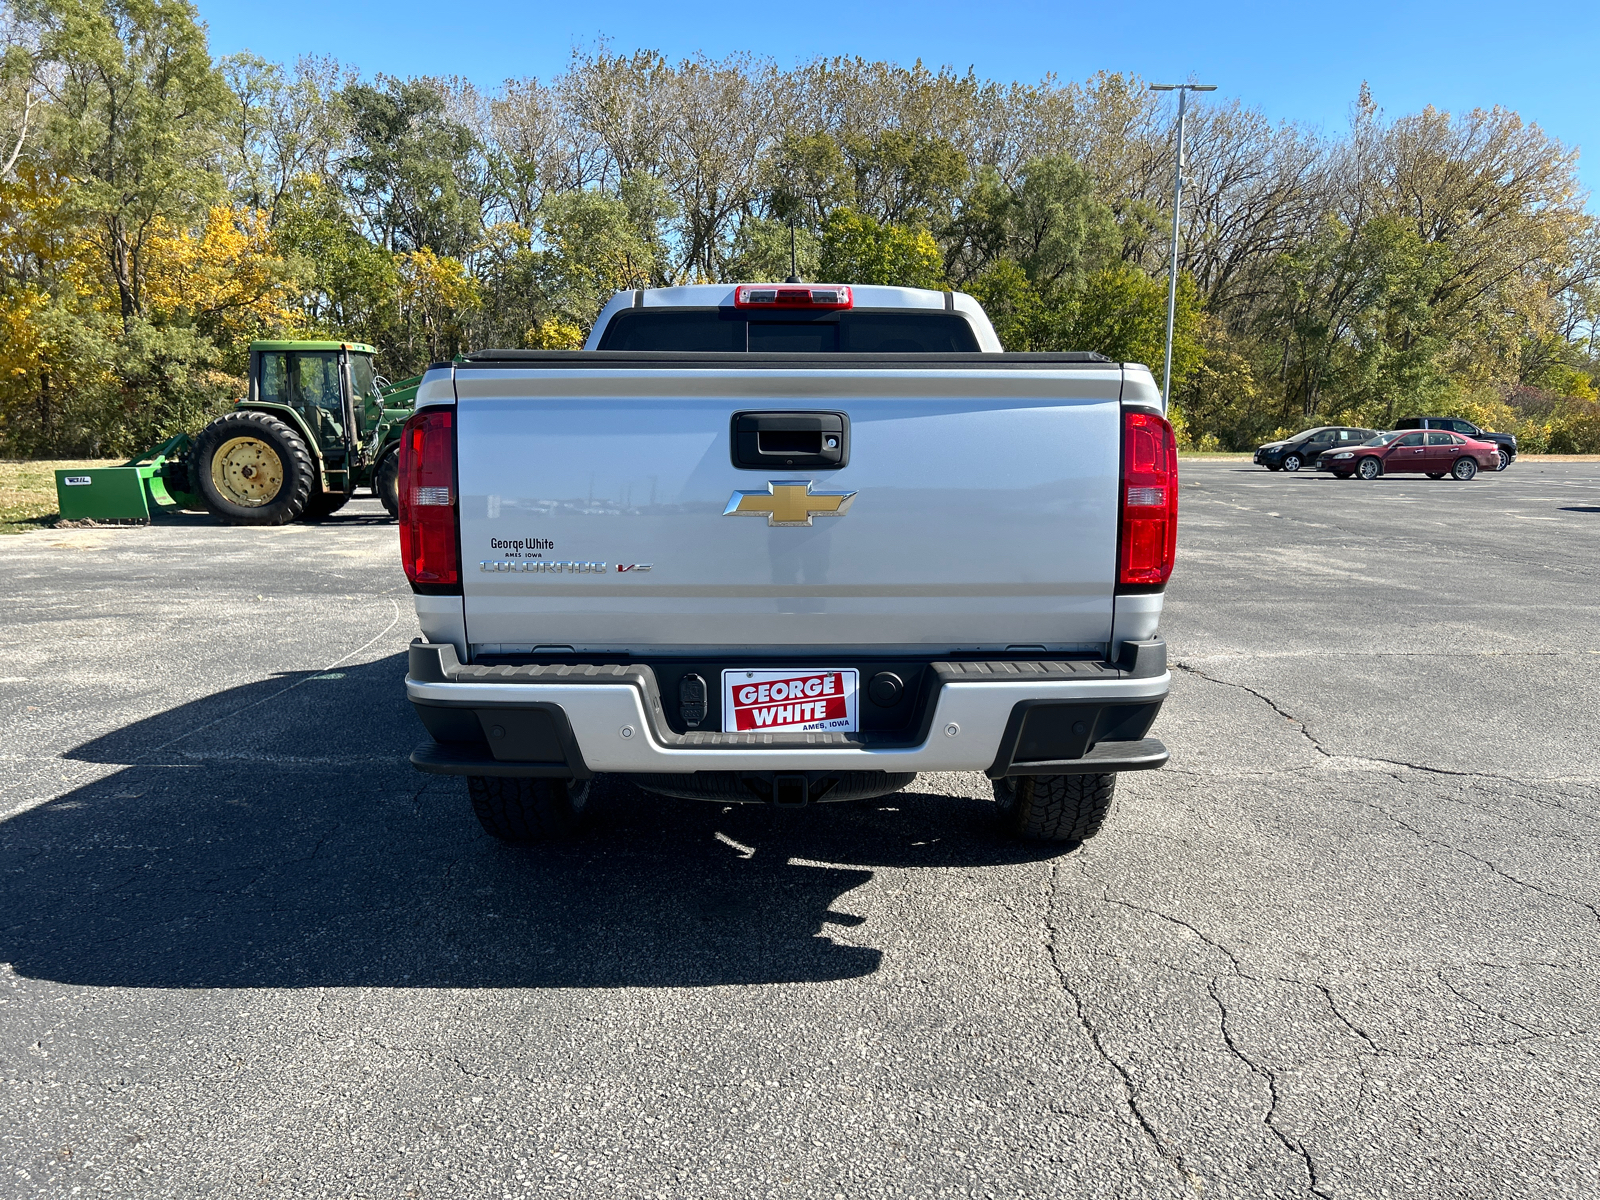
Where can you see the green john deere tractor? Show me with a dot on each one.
(316, 424)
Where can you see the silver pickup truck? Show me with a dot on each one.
(788, 544)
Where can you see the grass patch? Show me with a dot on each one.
(28, 490)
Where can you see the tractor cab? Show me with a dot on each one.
(330, 386)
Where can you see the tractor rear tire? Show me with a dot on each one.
(525, 811)
(252, 469)
(386, 484)
(1054, 808)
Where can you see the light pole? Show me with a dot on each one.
(1183, 90)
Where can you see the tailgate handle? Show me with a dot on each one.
(762, 441)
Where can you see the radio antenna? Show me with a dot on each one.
(794, 268)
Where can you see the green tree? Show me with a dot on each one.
(761, 252)
(593, 250)
(348, 285)
(282, 127)
(1048, 221)
(1015, 309)
(857, 249)
(1122, 313)
(416, 174)
(135, 122)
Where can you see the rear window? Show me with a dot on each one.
(857, 332)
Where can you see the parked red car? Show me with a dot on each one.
(1430, 452)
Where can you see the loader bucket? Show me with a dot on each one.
(102, 494)
(127, 492)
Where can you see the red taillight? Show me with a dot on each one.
(428, 545)
(1149, 501)
(788, 295)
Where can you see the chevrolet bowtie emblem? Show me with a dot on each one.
(789, 502)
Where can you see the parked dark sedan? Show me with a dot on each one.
(1304, 448)
(1433, 453)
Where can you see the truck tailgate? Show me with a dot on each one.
(593, 511)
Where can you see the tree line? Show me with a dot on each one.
(160, 208)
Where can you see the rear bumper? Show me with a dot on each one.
(1005, 718)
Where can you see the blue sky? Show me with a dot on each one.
(1294, 61)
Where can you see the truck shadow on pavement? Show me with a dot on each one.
(274, 835)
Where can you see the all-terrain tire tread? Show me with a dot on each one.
(523, 811)
(1055, 808)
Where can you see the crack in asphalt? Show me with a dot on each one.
(1316, 744)
(1261, 696)
(1467, 999)
(1493, 866)
(1293, 1146)
(1130, 1092)
(1333, 1007)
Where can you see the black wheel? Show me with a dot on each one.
(1292, 462)
(1436, 474)
(386, 484)
(324, 504)
(528, 810)
(1464, 469)
(1369, 468)
(1505, 460)
(1054, 808)
(252, 469)
(1270, 467)
(1343, 474)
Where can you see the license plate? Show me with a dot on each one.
(789, 701)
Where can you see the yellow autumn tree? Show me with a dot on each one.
(56, 317)
(228, 276)
(436, 298)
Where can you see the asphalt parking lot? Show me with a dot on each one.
(1344, 946)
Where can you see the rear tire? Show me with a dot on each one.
(1369, 468)
(1464, 469)
(386, 484)
(1054, 808)
(325, 504)
(525, 811)
(252, 469)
